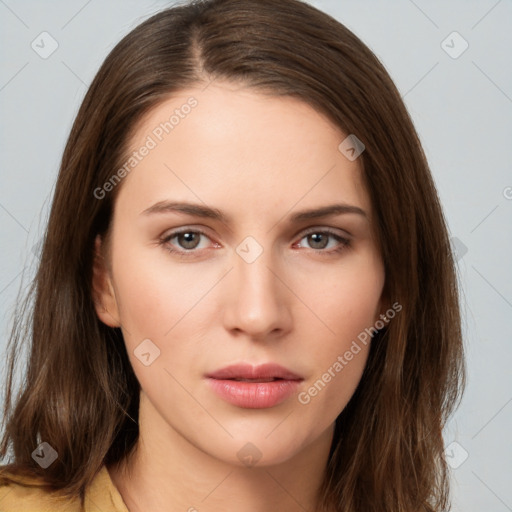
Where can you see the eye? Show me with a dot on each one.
(320, 240)
(185, 241)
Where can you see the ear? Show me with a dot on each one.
(104, 298)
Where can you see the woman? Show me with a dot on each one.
(246, 295)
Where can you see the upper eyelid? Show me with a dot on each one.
(327, 229)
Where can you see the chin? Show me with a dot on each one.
(258, 450)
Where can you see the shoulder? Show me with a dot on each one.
(31, 494)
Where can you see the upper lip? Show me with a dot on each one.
(248, 371)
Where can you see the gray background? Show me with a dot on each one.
(462, 108)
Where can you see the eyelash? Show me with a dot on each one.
(345, 243)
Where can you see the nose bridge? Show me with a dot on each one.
(258, 304)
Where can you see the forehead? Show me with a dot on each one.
(233, 146)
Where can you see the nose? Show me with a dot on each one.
(258, 301)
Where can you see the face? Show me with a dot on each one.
(241, 274)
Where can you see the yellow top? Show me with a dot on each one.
(26, 495)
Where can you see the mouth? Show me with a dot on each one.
(256, 380)
(263, 373)
(254, 387)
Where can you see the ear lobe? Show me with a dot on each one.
(104, 298)
(384, 304)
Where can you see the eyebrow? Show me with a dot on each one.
(198, 210)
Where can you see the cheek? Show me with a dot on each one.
(153, 295)
(345, 297)
(348, 308)
(162, 303)
(170, 304)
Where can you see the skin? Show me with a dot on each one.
(259, 159)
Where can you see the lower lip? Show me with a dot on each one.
(254, 395)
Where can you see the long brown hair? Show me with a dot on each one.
(80, 393)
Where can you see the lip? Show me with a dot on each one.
(257, 394)
(248, 371)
